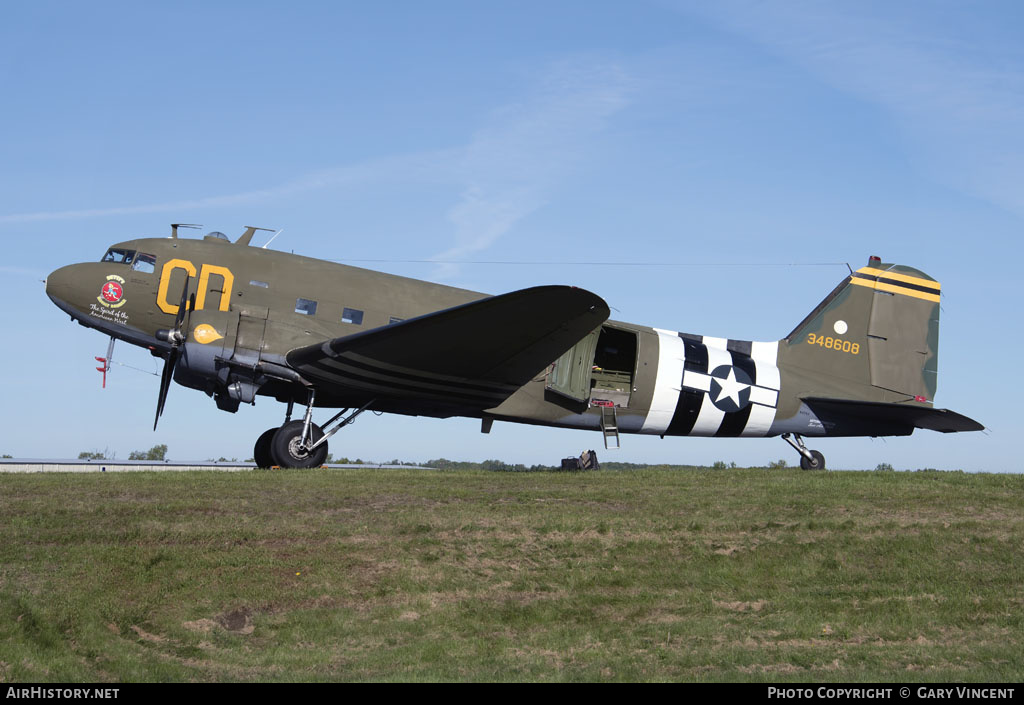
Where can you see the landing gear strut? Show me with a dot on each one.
(809, 459)
(300, 444)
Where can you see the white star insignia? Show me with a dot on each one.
(730, 388)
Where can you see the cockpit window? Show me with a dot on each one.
(144, 263)
(118, 256)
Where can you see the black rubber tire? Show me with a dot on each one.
(818, 464)
(261, 453)
(284, 447)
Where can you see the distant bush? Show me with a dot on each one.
(155, 453)
(104, 454)
(779, 464)
(884, 467)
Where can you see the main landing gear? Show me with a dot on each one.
(300, 444)
(809, 459)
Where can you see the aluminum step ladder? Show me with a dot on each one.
(610, 427)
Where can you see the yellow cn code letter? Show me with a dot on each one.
(165, 281)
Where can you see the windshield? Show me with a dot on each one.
(119, 256)
(144, 263)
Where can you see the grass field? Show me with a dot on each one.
(652, 574)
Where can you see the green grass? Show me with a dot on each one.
(470, 575)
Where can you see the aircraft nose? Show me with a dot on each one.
(58, 284)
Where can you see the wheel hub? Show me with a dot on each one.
(296, 448)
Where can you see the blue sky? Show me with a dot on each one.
(722, 142)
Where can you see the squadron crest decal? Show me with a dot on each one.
(112, 292)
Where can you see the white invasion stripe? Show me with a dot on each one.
(762, 413)
(760, 420)
(767, 375)
(671, 354)
(765, 355)
(710, 417)
(765, 352)
(715, 344)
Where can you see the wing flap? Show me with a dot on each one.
(476, 354)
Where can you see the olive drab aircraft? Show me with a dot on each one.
(238, 321)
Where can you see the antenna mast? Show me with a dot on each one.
(175, 226)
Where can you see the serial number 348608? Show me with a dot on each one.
(836, 344)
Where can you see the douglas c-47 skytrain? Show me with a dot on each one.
(237, 322)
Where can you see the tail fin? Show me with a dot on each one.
(875, 337)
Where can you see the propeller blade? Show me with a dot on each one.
(188, 316)
(176, 339)
(181, 307)
(165, 384)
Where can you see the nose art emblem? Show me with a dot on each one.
(112, 292)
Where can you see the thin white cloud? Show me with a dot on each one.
(512, 166)
(954, 87)
(507, 170)
(423, 165)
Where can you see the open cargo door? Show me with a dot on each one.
(570, 375)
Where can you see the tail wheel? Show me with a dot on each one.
(261, 453)
(288, 450)
(817, 462)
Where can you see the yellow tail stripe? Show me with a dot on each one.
(871, 271)
(895, 289)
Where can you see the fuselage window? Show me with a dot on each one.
(305, 307)
(351, 315)
(257, 282)
(118, 256)
(144, 263)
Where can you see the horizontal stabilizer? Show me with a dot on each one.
(888, 413)
(476, 354)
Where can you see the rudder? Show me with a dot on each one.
(876, 336)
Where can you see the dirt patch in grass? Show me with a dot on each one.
(237, 620)
(203, 626)
(755, 606)
(146, 636)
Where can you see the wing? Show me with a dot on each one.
(474, 355)
(890, 414)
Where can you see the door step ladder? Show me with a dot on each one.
(610, 427)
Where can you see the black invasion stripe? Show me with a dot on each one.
(734, 422)
(695, 356)
(685, 416)
(690, 400)
(497, 388)
(743, 361)
(937, 290)
(316, 369)
(743, 347)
